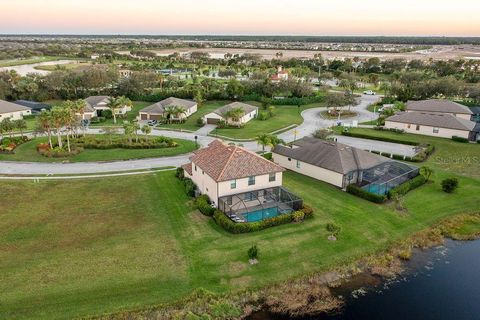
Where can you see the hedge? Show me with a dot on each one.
(359, 192)
(460, 139)
(407, 186)
(244, 227)
(203, 205)
(367, 136)
(288, 101)
(419, 157)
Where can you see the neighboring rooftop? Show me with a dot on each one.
(247, 108)
(447, 121)
(159, 107)
(223, 162)
(7, 107)
(438, 105)
(37, 106)
(94, 101)
(330, 155)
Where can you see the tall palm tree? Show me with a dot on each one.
(45, 123)
(263, 140)
(235, 114)
(113, 104)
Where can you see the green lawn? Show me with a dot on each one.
(18, 62)
(84, 247)
(28, 152)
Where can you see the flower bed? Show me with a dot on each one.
(8, 145)
(120, 142)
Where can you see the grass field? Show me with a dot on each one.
(28, 152)
(77, 248)
(19, 62)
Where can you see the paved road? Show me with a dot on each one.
(312, 121)
(381, 146)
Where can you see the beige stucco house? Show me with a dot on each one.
(433, 124)
(221, 114)
(13, 111)
(239, 182)
(339, 164)
(439, 106)
(157, 111)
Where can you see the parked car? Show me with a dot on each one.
(369, 92)
(152, 123)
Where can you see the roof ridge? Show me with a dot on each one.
(227, 162)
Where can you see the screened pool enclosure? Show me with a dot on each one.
(380, 179)
(259, 204)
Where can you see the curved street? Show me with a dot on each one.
(312, 122)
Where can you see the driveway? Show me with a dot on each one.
(312, 120)
(206, 129)
(381, 146)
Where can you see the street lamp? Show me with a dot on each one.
(196, 143)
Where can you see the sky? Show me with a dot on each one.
(242, 17)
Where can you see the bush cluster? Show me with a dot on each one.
(407, 186)
(58, 152)
(120, 142)
(203, 205)
(223, 221)
(8, 144)
(379, 128)
(459, 139)
(367, 136)
(359, 192)
(449, 185)
(419, 157)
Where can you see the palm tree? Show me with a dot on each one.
(263, 140)
(58, 121)
(113, 104)
(45, 123)
(20, 124)
(235, 114)
(146, 130)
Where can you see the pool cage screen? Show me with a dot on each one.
(259, 204)
(380, 179)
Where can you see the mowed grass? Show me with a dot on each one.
(18, 62)
(28, 152)
(78, 248)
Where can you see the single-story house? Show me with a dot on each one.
(13, 111)
(36, 107)
(433, 124)
(341, 165)
(440, 107)
(100, 103)
(244, 185)
(223, 114)
(157, 111)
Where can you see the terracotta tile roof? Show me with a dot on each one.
(438, 105)
(222, 162)
(188, 168)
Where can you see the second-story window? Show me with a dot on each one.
(233, 184)
(271, 177)
(251, 180)
(298, 164)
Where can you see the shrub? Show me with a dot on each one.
(333, 228)
(253, 252)
(200, 122)
(308, 211)
(267, 155)
(223, 221)
(263, 115)
(203, 205)
(407, 186)
(426, 172)
(180, 173)
(190, 187)
(359, 192)
(449, 185)
(298, 216)
(367, 136)
(322, 134)
(460, 139)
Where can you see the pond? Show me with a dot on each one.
(25, 69)
(442, 283)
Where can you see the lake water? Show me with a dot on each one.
(442, 283)
(25, 69)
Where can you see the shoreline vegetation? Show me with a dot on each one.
(311, 294)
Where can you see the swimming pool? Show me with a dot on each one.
(263, 214)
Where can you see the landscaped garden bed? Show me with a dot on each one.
(8, 144)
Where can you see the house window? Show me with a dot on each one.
(298, 164)
(251, 180)
(195, 167)
(233, 184)
(203, 172)
(408, 126)
(418, 127)
(249, 196)
(349, 177)
(272, 177)
(435, 130)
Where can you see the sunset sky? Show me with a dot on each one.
(261, 17)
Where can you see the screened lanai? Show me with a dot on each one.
(259, 204)
(385, 176)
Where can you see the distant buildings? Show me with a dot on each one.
(282, 75)
(13, 111)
